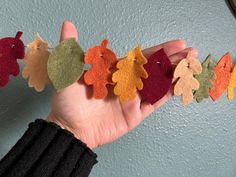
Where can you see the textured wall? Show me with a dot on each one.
(175, 141)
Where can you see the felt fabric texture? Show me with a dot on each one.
(46, 150)
(232, 84)
(186, 83)
(103, 61)
(129, 74)
(205, 79)
(65, 64)
(11, 49)
(160, 75)
(36, 64)
(223, 73)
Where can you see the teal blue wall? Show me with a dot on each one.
(198, 140)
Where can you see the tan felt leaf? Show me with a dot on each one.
(36, 64)
(194, 64)
(182, 69)
(186, 82)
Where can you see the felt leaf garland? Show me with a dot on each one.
(232, 84)
(160, 74)
(223, 73)
(186, 82)
(129, 74)
(65, 64)
(103, 61)
(205, 79)
(11, 49)
(36, 64)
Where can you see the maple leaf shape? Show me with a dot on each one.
(205, 79)
(129, 74)
(36, 64)
(186, 82)
(11, 49)
(103, 62)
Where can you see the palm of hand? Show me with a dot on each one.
(97, 122)
(93, 121)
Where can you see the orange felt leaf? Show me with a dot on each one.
(36, 64)
(223, 73)
(186, 82)
(129, 73)
(232, 84)
(103, 61)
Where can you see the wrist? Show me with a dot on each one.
(55, 151)
(65, 125)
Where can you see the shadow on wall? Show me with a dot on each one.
(19, 105)
(232, 6)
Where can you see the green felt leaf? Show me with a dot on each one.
(65, 64)
(205, 79)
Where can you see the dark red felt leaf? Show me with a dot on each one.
(160, 74)
(11, 49)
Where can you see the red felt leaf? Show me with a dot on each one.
(11, 49)
(160, 74)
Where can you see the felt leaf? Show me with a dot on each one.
(103, 62)
(223, 73)
(205, 79)
(160, 75)
(184, 87)
(65, 64)
(182, 69)
(129, 74)
(36, 64)
(186, 82)
(232, 84)
(11, 49)
(194, 64)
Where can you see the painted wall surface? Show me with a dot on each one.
(198, 140)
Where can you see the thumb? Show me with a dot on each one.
(68, 30)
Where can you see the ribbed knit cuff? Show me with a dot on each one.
(46, 150)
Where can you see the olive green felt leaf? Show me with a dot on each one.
(65, 64)
(205, 79)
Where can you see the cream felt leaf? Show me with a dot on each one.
(36, 64)
(186, 83)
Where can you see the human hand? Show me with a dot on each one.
(101, 121)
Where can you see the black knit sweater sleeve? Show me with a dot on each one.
(46, 150)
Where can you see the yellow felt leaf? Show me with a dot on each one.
(232, 84)
(129, 74)
(36, 64)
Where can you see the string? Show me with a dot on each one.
(51, 48)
